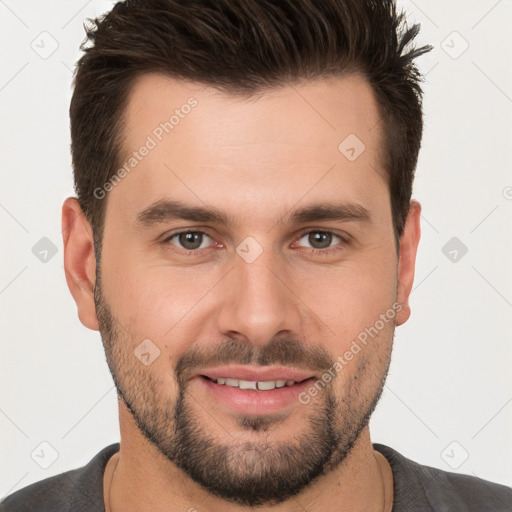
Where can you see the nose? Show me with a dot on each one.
(258, 300)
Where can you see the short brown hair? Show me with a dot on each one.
(242, 47)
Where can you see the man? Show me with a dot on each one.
(244, 239)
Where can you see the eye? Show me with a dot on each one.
(321, 241)
(189, 240)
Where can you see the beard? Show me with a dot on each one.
(248, 473)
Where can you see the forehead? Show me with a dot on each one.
(317, 139)
(327, 110)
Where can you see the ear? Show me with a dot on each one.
(79, 261)
(407, 261)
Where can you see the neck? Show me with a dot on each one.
(144, 480)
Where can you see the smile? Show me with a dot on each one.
(252, 384)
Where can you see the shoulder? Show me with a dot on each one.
(442, 490)
(76, 490)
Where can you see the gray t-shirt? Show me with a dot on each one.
(417, 489)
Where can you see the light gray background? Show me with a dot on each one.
(448, 398)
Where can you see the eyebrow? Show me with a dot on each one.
(166, 210)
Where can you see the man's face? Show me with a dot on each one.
(263, 290)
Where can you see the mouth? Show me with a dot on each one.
(253, 390)
(264, 385)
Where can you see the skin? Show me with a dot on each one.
(256, 160)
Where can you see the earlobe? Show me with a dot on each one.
(79, 261)
(407, 262)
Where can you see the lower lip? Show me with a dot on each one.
(256, 402)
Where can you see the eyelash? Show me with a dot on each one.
(328, 251)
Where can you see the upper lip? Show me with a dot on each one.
(256, 374)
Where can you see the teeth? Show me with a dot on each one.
(256, 385)
(265, 386)
(246, 384)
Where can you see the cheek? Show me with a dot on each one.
(158, 303)
(353, 298)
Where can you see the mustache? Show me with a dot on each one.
(283, 351)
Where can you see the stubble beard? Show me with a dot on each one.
(248, 473)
